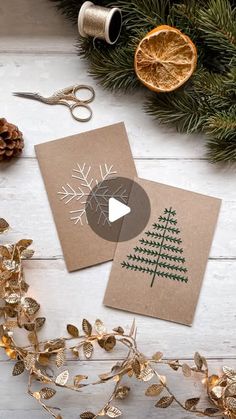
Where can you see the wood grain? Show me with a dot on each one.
(22, 184)
(37, 54)
(93, 398)
(46, 73)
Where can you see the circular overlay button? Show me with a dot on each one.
(114, 202)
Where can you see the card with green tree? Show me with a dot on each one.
(160, 272)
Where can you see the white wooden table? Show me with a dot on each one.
(37, 54)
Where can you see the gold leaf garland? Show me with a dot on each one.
(20, 312)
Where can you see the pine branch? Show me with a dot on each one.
(161, 274)
(168, 247)
(165, 256)
(180, 109)
(133, 267)
(204, 104)
(170, 211)
(219, 90)
(174, 258)
(112, 76)
(137, 14)
(218, 27)
(141, 259)
(167, 219)
(222, 128)
(174, 230)
(160, 236)
(163, 265)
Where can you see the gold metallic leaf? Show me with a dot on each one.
(75, 352)
(217, 391)
(11, 265)
(136, 367)
(119, 330)
(186, 370)
(165, 402)
(198, 361)
(4, 252)
(24, 243)
(36, 395)
(109, 343)
(29, 361)
(87, 327)
(146, 374)
(29, 327)
(11, 324)
(231, 404)
(12, 298)
(73, 330)
(213, 380)
(4, 226)
(11, 353)
(230, 373)
(60, 358)
(211, 411)
(190, 403)
(231, 390)
(122, 392)
(19, 368)
(39, 322)
(174, 365)
(30, 306)
(154, 390)
(27, 253)
(32, 338)
(47, 393)
(87, 415)
(5, 341)
(62, 378)
(157, 356)
(54, 345)
(78, 379)
(88, 349)
(100, 327)
(44, 359)
(113, 412)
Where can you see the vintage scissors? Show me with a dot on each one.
(67, 97)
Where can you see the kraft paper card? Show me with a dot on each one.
(160, 272)
(71, 167)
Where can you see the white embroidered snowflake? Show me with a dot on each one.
(84, 193)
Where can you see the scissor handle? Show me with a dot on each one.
(81, 105)
(79, 87)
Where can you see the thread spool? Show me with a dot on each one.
(100, 22)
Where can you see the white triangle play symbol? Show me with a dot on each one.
(117, 210)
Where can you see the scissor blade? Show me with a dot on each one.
(27, 95)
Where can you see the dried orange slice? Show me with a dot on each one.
(165, 59)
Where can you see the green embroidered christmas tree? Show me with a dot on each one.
(160, 254)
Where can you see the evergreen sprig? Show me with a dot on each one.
(206, 103)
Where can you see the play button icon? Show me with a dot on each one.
(117, 210)
(114, 201)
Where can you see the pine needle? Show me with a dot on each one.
(207, 102)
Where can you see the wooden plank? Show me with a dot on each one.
(68, 298)
(40, 122)
(93, 398)
(32, 25)
(30, 215)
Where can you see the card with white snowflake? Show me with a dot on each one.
(71, 168)
(159, 273)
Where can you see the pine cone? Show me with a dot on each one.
(11, 140)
